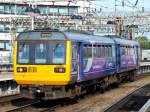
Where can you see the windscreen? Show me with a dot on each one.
(41, 52)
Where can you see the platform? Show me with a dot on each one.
(4, 76)
(144, 63)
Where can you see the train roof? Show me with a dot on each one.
(126, 42)
(88, 38)
(41, 35)
(67, 35)
(73, 36)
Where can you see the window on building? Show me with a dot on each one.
(7, 9)
(43, 9)
(1, 8)
(73, 11)
(53, 11)
(6, 28)
(63, 11)
(1, 27)
(20, 10)
(12, 9)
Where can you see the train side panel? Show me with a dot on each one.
(127, 56)
(98, 60)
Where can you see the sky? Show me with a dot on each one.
(109, 5)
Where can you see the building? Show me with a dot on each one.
(8, 10)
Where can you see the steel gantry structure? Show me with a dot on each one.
(102, 22)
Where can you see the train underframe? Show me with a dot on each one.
(76, 89)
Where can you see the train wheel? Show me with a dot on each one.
(103, 87)
(75, 99)
(77, 92)
(132, 76)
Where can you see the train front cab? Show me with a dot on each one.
(42, 66)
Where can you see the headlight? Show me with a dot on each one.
(21, 69)
(59, 70)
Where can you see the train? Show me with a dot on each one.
(53, 64)
(145, 56)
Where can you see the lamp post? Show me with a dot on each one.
(32, 12)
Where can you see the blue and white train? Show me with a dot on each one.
(54, 64)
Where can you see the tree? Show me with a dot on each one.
(144, 42)
(141, 39)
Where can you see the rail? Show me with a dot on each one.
(133, 102)
(24, 108)
(15, 104)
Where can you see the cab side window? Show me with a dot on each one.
(74, 51)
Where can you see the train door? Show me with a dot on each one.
(118, 56)
(80, 61)
(77, 61)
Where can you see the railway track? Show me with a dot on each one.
(101, 102)
(8, 98)
(28, 105)
(19, 104)
(16, 104)
(133, 102)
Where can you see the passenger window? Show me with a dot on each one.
(95, 51)
(131, 51)
(123, 51)
(113, 50)
(103, 51)
(110, 51)
(85, 52)
(126, 50)
(89, 51)
(106, 51)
